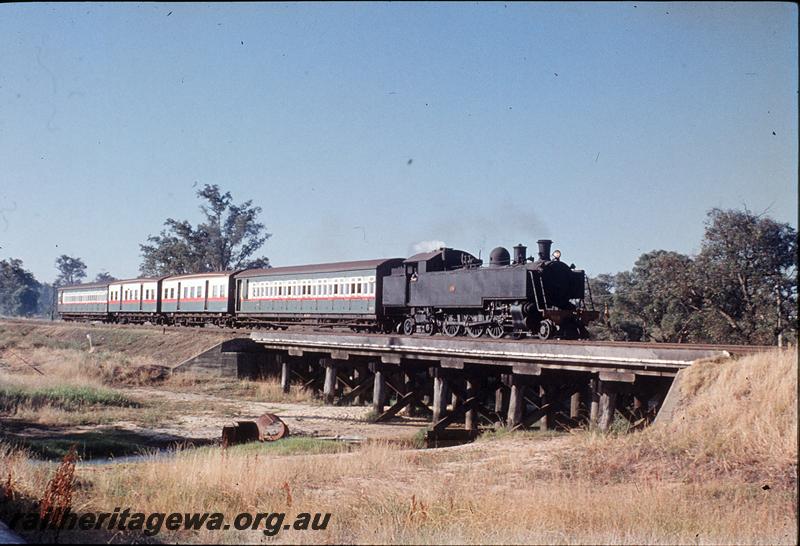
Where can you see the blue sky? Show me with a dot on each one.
(364, 129)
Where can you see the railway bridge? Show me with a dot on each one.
(514, 383)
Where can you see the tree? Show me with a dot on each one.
(227, 239)
(47, 298)
(601, 289)
(746, 271)
(104, 276)
(658, 300)
(740, 289)
(19, 293)
(70, 270)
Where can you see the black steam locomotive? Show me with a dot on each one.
(446, 290)
(449, 291)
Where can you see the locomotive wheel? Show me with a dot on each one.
(495, 331)
(409, 326)
(451, 329)
(473, 331)
(546, 329)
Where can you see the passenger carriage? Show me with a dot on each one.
(198, 298)
(135, 300)
(348, 293)
(83, 302)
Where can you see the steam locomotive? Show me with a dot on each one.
(444, 291)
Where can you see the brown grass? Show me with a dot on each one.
(737, 418)
(697, 480)
(148, 345)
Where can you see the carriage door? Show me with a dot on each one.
(205, 297)
(141, 296)
(178, 304)
(239, 295)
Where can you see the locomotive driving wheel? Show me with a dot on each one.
(451, 328)
(495, 330)
(473, 331)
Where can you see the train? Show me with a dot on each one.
(444, 291)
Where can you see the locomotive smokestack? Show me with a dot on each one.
(520, 253)
(544, 249)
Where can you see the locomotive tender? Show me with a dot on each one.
(444, 291)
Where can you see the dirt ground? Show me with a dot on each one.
(345, 422)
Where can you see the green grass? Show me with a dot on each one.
(88, 445)
(66, 397)
(504, 434)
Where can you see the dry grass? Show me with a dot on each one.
(152, 345)
(696, 480)
(737, 417)
(262, 390)
(380, 495)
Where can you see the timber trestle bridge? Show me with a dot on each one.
(464, 385)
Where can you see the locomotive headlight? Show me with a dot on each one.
(557, 254)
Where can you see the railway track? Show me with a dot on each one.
(210, 330)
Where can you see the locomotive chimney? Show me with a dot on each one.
(520, 254)
(544, 249)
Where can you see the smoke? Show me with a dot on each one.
(480, 230)
(425, 246)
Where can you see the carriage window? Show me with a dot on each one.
(172, 293)
(372, 287)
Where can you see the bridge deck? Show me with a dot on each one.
(527, 357)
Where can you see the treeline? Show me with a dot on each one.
(21, 295)
(740, 288)
(227, 238)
